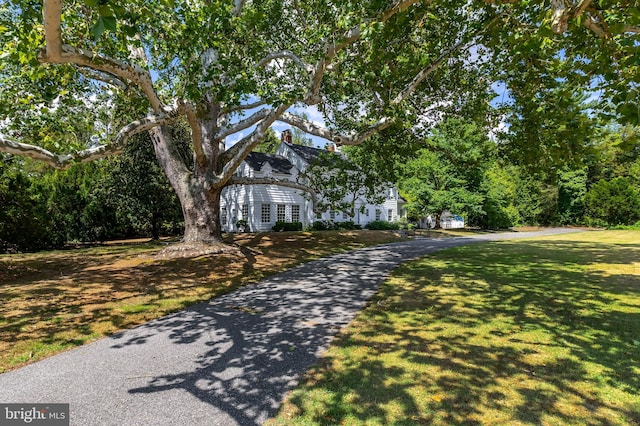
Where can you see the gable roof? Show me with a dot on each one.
(256, 161)
(307, 153)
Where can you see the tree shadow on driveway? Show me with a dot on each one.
(254, 344)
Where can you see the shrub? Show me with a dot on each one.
(348, 225)
(293, 226)
(287, 226)
(324, 225)
(616, 202)
(382, 225)
(635, 226)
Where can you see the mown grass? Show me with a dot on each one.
(543, 331)
(52, 301)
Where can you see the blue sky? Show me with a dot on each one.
(312, 113)
(501, 95)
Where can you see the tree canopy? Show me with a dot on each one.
(79, 78)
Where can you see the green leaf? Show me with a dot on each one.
(105, 10)
(91, 3)
(98, 28)
(109, 23)
(129, 30)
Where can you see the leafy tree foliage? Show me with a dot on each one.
(73, 202)
(113, 70)
(447, 175)
(614, 202)
(128, 196)
(270, 143)
(500, 187)
(137, 191)
(24, 223)
(340, 184)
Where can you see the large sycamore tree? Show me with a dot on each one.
(80, 77)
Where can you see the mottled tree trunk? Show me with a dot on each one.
(201, 211)
(200, 201)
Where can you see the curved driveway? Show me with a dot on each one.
(229, 361)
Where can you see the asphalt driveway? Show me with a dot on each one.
(229, 361)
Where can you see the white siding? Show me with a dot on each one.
(234, 197)
(255, 195)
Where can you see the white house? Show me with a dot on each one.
(262, 205)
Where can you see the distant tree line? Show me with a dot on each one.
(462, 167)
(459, 165)
(121, 197)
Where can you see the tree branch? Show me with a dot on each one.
(243, 107)
(105, 78)
(238, 6)
(330, 135)
(285, 54)
(593, 26)
(64, 161)
(51, 15)
(332, 49)
(233, 157)
(235, 180)
(425, 72)
(243, 124)
(58, 53)
(578, 9)
(196, 134)
(561, 15)
(31, 151)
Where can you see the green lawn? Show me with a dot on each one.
(543, 331)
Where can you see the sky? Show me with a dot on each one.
(317, 118)
(312, 113)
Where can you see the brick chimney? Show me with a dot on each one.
(286, 136)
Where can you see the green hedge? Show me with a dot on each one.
(287, 226)
(382, 225)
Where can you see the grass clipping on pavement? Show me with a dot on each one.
(543, 331)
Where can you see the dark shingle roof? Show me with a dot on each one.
(308, 153)
(256, 160)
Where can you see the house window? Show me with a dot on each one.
(378, 214)
(389, 215)
(391, 194)
(223, 216)
(245, 211)
(332, 215)
(280, 212)
(366, 212)
(345, 216)
(295, 213)
(265, 213)
(234, 216)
